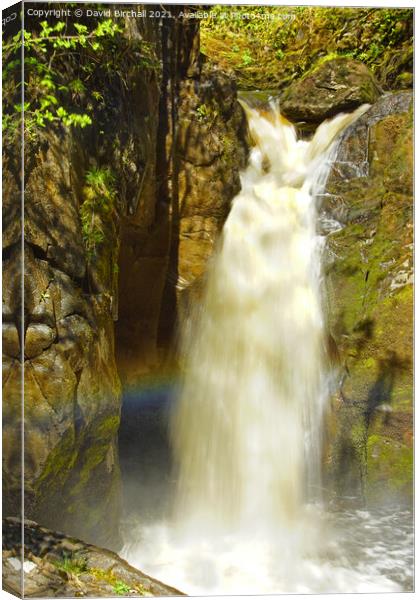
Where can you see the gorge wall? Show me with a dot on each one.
(115, 226)
(369, 274)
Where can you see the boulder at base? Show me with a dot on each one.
(337, 85)
(59, 566)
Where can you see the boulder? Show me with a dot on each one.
(337, 85)
(56, 565)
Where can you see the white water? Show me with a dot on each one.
(247, 431)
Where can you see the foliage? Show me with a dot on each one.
(270, 46)
(78, 565)
(72, 564)
(99, 202)
(121, 588)
(61, 61)
(206, 113)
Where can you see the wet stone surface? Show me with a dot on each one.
(55, 565)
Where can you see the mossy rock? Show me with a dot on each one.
(336, 85)
(371, 314)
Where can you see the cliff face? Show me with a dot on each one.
(200, 151)
(370, 298)
(108, 211)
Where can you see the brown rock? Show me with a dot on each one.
(337, 85)
(38, 337)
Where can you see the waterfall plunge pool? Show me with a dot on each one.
(372, 551)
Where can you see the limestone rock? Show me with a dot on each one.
(337, 85)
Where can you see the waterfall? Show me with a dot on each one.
(247, 432)
(248, 426)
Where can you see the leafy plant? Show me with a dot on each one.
(61, 60)
(203, 112)
(72, 564)
(99, 199)
(206, 112)
(121, 588)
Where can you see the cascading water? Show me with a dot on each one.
(247, 430)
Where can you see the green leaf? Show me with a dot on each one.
(48, 83)
(61, 111)
(52, 99)
(77, 86)
(80, 28)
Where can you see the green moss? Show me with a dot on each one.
(270, 52)
(108, 427)
(389, 467)
(372, 318)
(72, 564)
(73, 461)
(97, 449)
(120, 587)
(59, 463)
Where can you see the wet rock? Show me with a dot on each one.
(210, 151)
(354, 160)
(72, 388)
(369, 282)
(337, 85)
(55, 565)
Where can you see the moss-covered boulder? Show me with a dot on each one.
(334, 86)
(369, 279)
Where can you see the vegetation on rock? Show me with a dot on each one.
(64, 566)
(371, 304)
(99, 199)
(56, 90)
(269, 47)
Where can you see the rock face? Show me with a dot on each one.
(370, 296)
(109, 214)
(210, 151)
(163, 259)
(337, 85)
(56, 565)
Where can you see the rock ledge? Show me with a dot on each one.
(59, 566)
